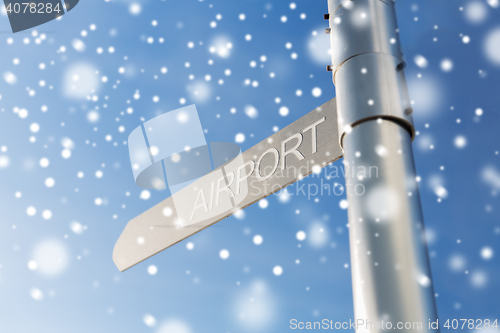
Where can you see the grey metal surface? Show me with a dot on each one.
(390, 269)
(362, 26)
(380, 92)
(276, 162)
(365, 56)
(391, 276)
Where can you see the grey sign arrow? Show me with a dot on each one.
(285, 157)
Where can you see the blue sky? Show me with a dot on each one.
(73, 89)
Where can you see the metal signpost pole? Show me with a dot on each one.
(391, 277)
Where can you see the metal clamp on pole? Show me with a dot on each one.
(391, 279)
(366, 62)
